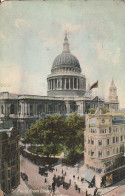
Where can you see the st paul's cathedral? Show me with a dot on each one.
(66, 93)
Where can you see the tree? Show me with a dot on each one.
(104, 110)
(74, 136)
(49, 133)
(92, 110)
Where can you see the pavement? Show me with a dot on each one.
(36, 185)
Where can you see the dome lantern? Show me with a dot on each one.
(66, 44)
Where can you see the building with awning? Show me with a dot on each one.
(89, 176)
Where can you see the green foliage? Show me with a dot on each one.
(48, 132)
(92, 110)
(74, 141)
(104, 110)
(55, 134)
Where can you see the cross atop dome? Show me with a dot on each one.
(66, 43)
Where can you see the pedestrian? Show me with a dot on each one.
(76, 187)
(45, 180)
(62, 171)
(86, 193)
(95, 191)
(56, 169)
(79, 190)
(73, 176)
(78, 177)
(65, 173)
(53, 186)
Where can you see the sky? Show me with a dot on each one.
(32, 34)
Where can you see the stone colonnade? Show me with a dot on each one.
(65, 83)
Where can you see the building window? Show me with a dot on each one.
(116, 139)
(110, 129)
(2, 109)
(107, 141)
(2, 164)
(121, 149)
(92, 153)
(99, 153)
(9, 174)
(108, 153)
(98, 171)
(3, 186)
(113, 140)
(13, 147)
(92, 141)
(3, 149)
(99, 142)
(121, 138)
(9, 162)
(12, 109)
(113, 151)
(3, 175)
(8, 185)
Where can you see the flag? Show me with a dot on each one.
(95, 85)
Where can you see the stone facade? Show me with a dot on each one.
(9, 159)
(67, 93)
(104, 147)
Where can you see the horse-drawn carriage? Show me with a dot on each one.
(24, 176)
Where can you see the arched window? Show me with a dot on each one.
(2, 109)
(12, 109)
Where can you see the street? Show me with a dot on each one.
(37, 185)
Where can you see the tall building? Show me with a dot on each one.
(104, 148)
(113, 103)
(67, 93)
(9, 159)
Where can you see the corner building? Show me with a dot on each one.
(66, 93)
(104, 148)
(9, 159)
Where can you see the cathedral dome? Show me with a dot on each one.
(66, 59)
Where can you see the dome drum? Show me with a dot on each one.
(66, 84)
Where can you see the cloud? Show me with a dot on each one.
(10, 78)
(71, 28)
(20, 23)
(2, 36)
(41, 33)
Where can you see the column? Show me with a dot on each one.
(61, 83)
(77, 83)
(36, 109)
(22, 109)
(54, 84)
(73, 83)
(68, 107)
(65, 84)
(50, 84)
(69, 83)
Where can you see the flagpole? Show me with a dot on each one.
(98, 95)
